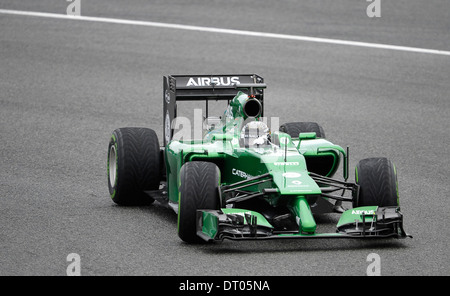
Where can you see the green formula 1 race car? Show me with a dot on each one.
(242, 182)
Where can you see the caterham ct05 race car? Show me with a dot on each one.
(241, 181)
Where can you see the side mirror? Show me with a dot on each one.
(307, 136)
(222, 137)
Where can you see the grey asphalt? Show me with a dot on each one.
(66, 85)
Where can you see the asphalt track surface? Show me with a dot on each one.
(67, 84)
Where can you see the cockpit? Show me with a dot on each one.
(255, 134)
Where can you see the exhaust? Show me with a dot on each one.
(252, 108)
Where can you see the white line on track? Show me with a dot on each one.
(225, 31)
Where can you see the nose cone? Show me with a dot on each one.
(294, 182)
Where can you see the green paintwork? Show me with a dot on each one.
(320, 148)
(299, 205)
(307, 136)
(210, 224)
(285, 162)
(355, 214)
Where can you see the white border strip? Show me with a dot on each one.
(225, 31)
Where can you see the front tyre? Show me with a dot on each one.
(377, 178)
(133, 165)
(199, 189)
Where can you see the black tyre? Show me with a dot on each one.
(133, 165)
(377, 178)
(199, 189)
(295, 128)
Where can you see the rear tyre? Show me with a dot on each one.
(295, 128)
(199, 189)
(133, 165)
(377, 178)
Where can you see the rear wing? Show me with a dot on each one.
(204, 88)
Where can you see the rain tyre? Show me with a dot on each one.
(377, 178)
(133, 165)
(199, 189)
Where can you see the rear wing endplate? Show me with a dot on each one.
(205, 88)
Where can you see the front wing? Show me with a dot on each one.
(241, 224)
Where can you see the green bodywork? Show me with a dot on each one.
(285, 162)
(271, 186)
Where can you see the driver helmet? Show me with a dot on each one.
(255, 134)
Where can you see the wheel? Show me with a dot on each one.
(295, 128)
(133, 165)
(199, 189)
(377, 178)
